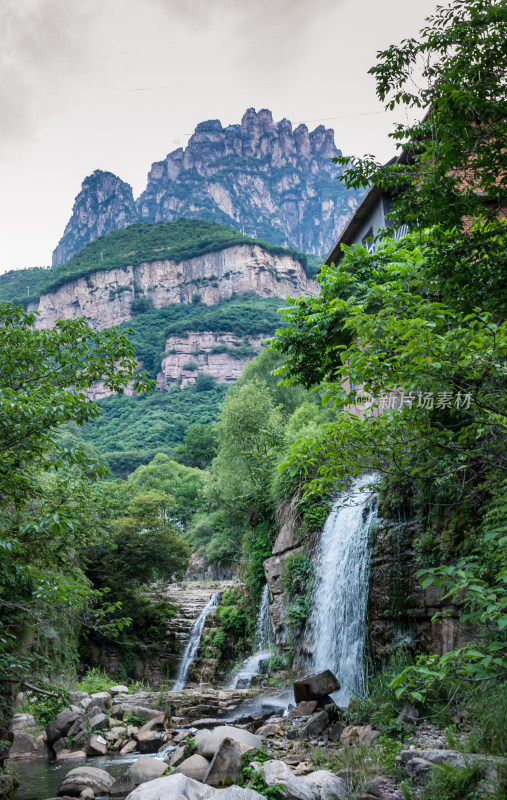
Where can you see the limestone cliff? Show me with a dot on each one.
(222, 355)
(105, 297)
(104, 204)
(263, 178)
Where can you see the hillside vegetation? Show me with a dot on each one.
(244, 317)
(145, 241)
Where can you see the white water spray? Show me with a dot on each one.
(193, 644)
(263, 644)
(339, 617)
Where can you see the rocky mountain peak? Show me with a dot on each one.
(104, 204)
(265, 178)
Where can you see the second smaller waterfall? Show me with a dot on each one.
(263, 646)
(193, 644)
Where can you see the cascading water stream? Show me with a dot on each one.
(339, 617)
(193, 644)
(263, 643)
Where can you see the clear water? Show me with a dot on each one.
(263, 646)
(193, 644)
(40, 779)
(339, 617)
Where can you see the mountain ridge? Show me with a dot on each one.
(260, 177)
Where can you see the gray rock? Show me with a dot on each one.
(101, 699)
(138, 711)
(336, 731)
(200, 738)
(212, 743)
(150, 741)
(77, 697)
(59, 745)
(122, 785)
(270, 729)
(160, 723)
(305, 708)
(237, 793)
(177, 756)
(195, 767)
(87, 794)
(20, 722)
(276, 773)
(433, 756)
(120, 689)
(315, 687)
(225, 765)
(98, 780)
(146, 768)
(96, 746)
(99, 722)
(173, 787)
(128, 747)
(25, 745)
(329, 785)
(315, 725)
(71, 755)
(93, 710)
(419, 770)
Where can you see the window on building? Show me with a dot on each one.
(367, 241)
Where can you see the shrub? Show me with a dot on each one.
(95, 680)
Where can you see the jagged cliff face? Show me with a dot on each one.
(105, 297)
(104, 204)
(265, 179)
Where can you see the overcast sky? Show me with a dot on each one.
(117, 84)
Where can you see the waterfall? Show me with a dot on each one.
(339, 617)
(263, 643)
(193, 644)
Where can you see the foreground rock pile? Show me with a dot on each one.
(228, 744)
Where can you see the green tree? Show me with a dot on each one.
(48, 497)
(199, 446)
(147, 546)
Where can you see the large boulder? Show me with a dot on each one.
(62, 724)
(160, 723)
(226, 763)
(120, 689)
(150, 741)
(25, 745)
(121, 710)
(277, 773)
(210, 745)
(20, 722)
(315, 724)
(173, 787)
(146, 768)
(102, 700)
(95, 746)
(330, 786)
(195, 767)
(316, 687)
(99, 722)
(122, 785)
(81, 778)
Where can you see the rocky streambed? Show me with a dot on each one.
(202, 743)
